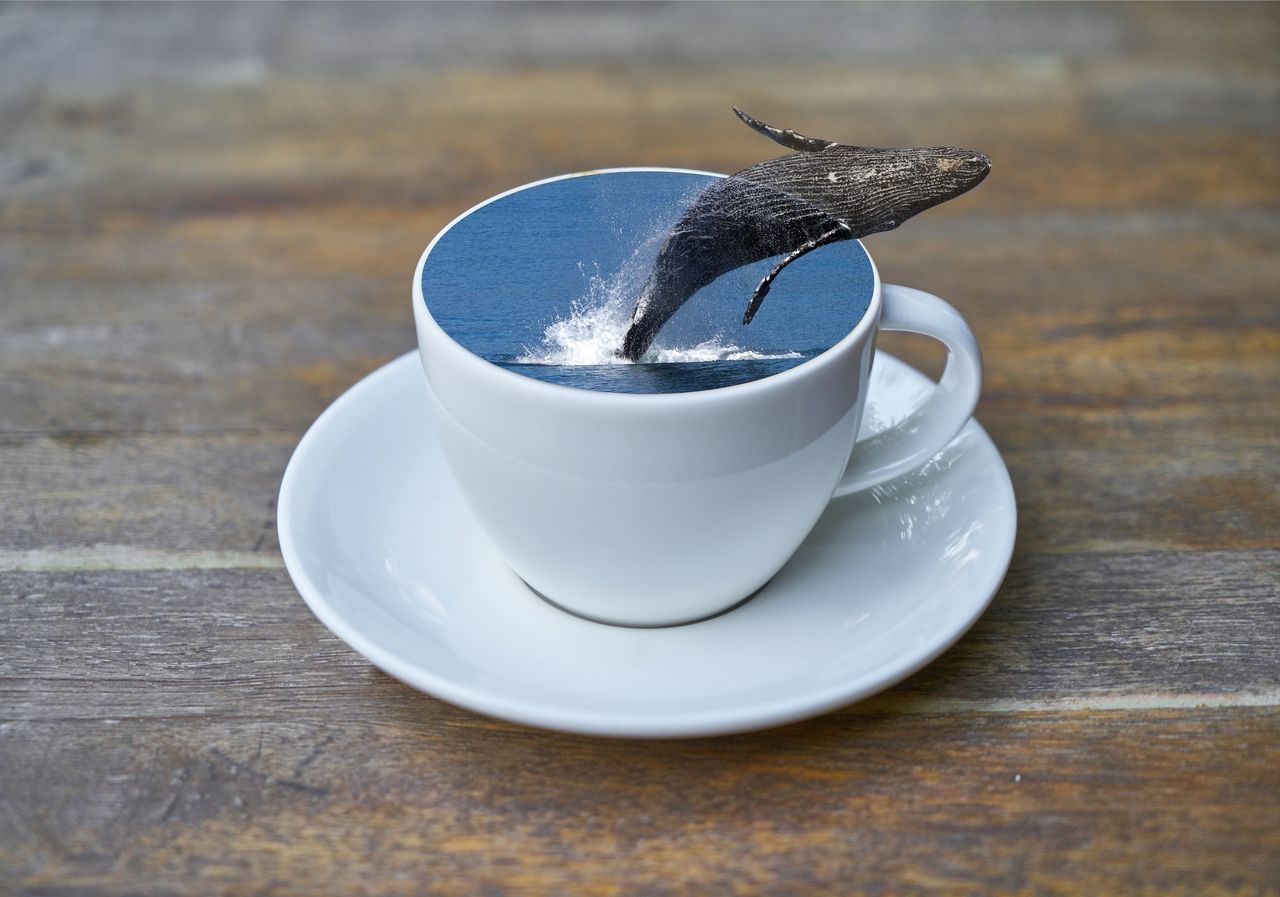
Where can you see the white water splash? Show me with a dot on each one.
(713, 350)
(598, 320)
(593, 331)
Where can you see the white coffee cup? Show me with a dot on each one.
(652, 510)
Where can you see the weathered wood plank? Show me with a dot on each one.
(1107, 483)
(106, 161)
(1155, 803)
(1136, 263)
(163, 493)
(220, 44)
(1060, 321)
(241, 644)
(246, 44)
(172, 377)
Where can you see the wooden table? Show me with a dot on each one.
(209, 217)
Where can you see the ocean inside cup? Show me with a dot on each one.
(542, 281)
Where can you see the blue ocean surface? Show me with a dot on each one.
(543, 282)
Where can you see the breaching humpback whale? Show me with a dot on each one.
(822, 193)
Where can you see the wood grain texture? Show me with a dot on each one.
(953, 804)
(208, 220)
(215, 492)
(1128, 629)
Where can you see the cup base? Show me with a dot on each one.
(590, 619)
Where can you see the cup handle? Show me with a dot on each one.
(928, 430)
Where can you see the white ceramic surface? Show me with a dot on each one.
(659, 509)
(385, 553)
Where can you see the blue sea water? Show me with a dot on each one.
(543, 282)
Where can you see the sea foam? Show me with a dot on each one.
(592, 332)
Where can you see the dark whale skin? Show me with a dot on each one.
(789, 206)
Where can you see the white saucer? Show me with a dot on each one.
(383, 551)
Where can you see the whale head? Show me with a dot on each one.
(878, 189)
(871, 189)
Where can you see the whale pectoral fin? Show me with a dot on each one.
(840, 232)
(785, 136)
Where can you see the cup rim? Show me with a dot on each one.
(422, 315)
